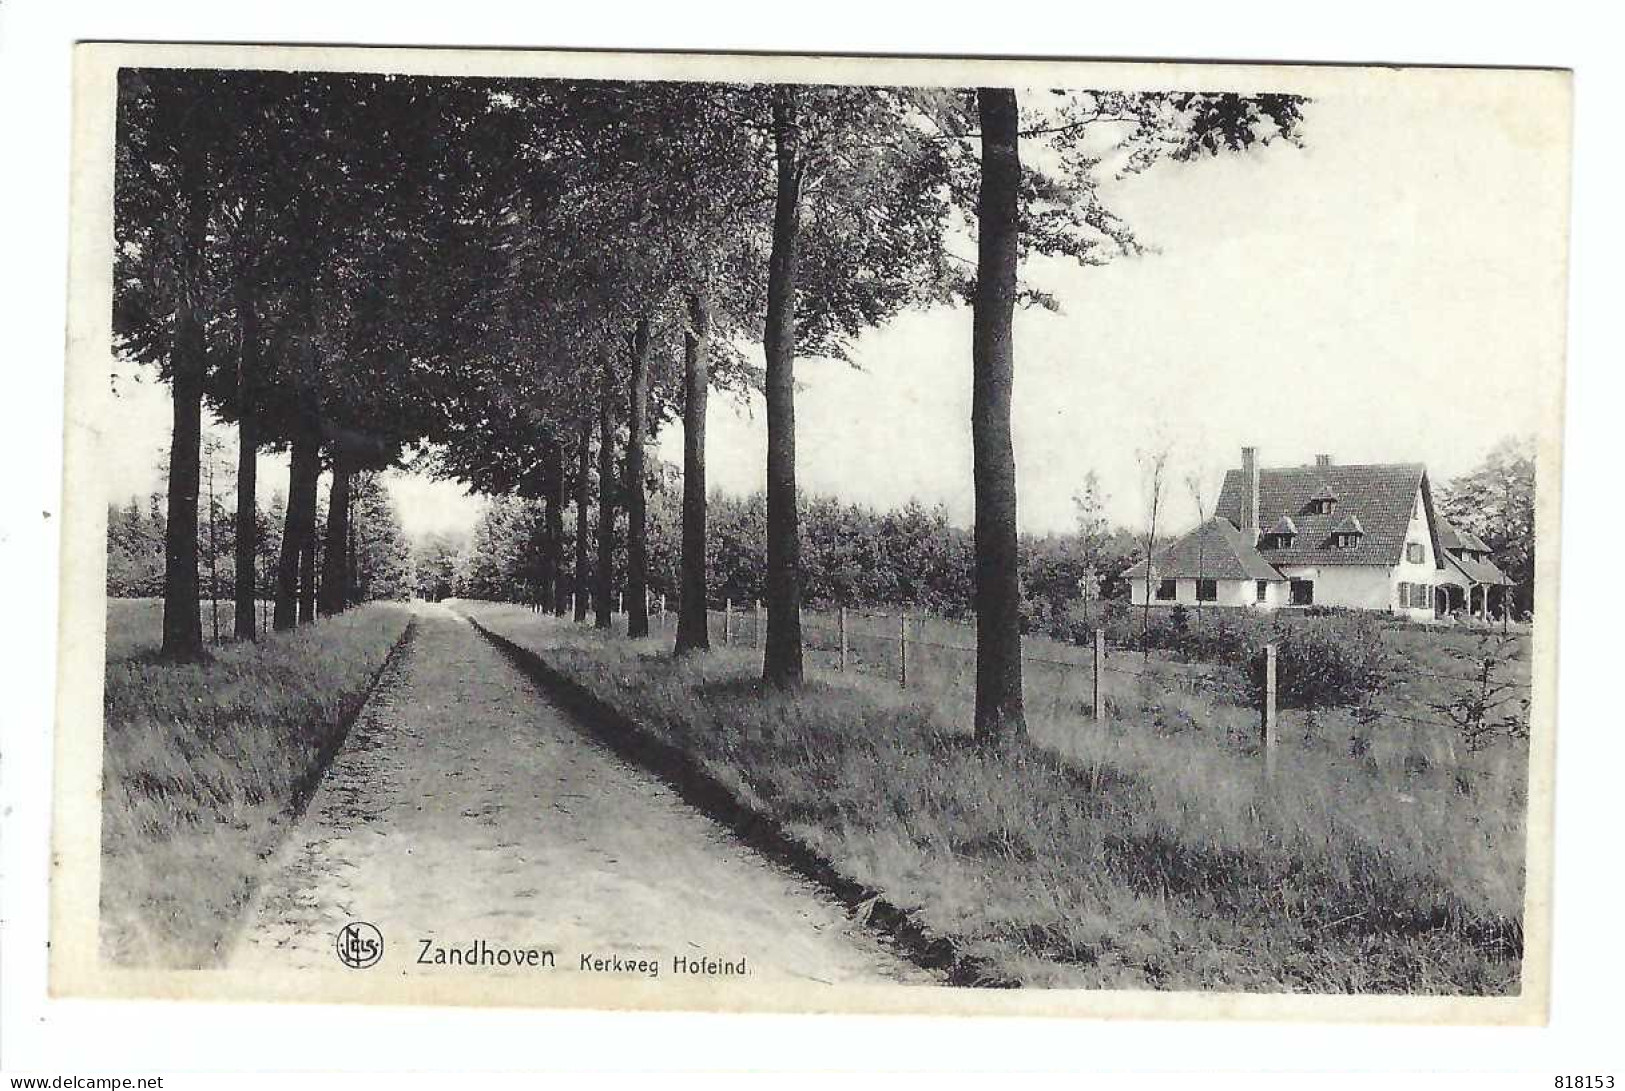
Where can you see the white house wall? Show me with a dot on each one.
(1358, 586)
(1426, 572)
(1231, 593)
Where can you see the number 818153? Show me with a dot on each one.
(1583, 1083)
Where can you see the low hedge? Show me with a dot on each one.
(1323, 659)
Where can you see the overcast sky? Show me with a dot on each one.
(1390, 292)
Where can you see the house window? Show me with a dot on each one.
(1207, 590)
(1322, 507)
(1303, 592)
(1263, 590)
(1416, 596)
(1345, 540)
(1414, 552)
(1279, 541)
(1165, 590)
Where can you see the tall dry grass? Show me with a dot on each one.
(204, 764)
(1141, 851)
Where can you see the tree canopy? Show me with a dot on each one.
(498, 278)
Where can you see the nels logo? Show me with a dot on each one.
(360, 945)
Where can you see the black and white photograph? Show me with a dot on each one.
(803, 534)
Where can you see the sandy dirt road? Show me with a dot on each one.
(465, 806)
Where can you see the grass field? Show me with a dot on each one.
(136, 626)
(1144, 850)
(1397, 732)
(203, 764)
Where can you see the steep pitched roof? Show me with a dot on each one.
(1216, 550)
(1480, 571)
(1349, 525)
(1380, 496)
(1453, 537)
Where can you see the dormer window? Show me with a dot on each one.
(1282, 535)
(1324, 502)
(1348, 533)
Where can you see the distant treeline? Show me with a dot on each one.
(851, 555)
(380, 557)
(911, 556)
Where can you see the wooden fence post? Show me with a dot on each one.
(759, 634)
(842, 617)
(620, 602)
(1267, 723)
(572, 605)
(1100, 670)
(902, 650)
(727, 622)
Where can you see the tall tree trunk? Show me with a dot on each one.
(999, 714)
(692, 630)
(247, 522)
(183, 617)
(353, 583)
(558, 593)
(335, 589)
(298, 527)
(307, 578)
(307, 544)
(583, 498)
(781, 662)
(547, 555)
(604, 604)
(637, 542)
(541, 590)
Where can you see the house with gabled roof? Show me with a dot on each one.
(1364, 536)
(1473, 585)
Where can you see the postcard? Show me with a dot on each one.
(797, 533)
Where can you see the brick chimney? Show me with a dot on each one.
(1322, 461)
(1249, 501)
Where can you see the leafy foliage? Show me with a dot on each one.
(1496, 501)
(135, 543)
(1494, 702)
(851, 555)
(1322, 661)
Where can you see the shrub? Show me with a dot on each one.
(1214, 635)
(1322, 660)
(1334, 659)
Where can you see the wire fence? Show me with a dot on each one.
(1103, 681)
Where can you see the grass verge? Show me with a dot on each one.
(1105, 855)
(204, 766)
